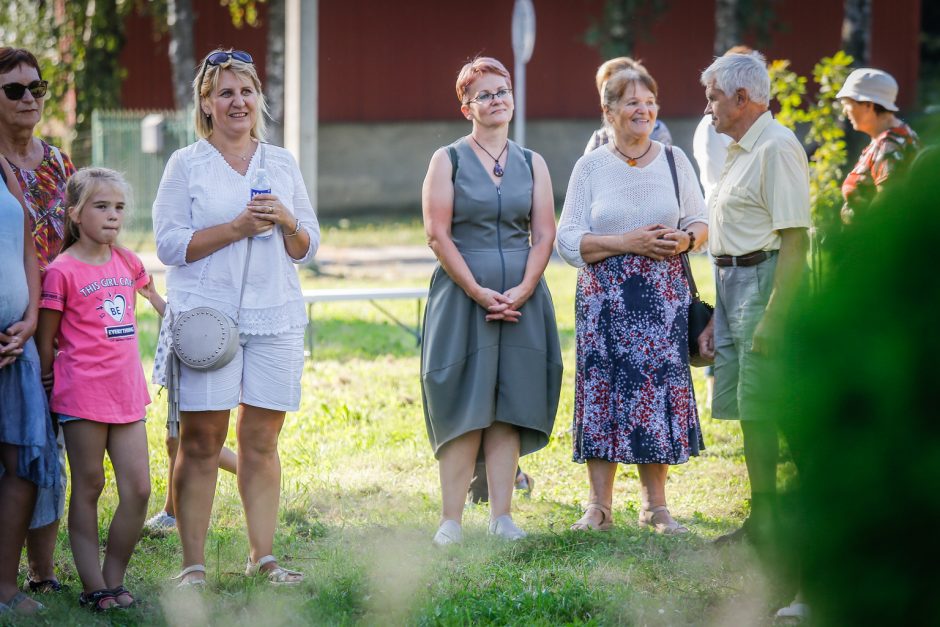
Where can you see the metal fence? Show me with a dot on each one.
(117, 143)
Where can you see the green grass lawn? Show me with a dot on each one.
(360, 502)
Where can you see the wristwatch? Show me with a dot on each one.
(691, 241)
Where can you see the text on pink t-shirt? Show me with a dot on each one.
(98, 374)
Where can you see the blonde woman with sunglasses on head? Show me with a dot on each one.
(204, 219)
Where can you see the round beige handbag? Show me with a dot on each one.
(205, 338)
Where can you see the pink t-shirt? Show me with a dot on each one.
(98, 375)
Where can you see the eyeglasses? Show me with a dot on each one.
(15, 91)
(486, 97)
(218, 58)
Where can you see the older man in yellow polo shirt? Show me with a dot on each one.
(759, 214)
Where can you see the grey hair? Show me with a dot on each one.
(732, 72)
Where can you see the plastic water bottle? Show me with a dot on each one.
(261, 184)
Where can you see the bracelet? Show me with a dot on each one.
(691, 241)
(296, 229)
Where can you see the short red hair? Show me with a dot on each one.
(475, 69)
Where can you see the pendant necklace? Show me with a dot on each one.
(497, 169)
(631, 161)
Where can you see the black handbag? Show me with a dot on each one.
(700, 312)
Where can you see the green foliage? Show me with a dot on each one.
(243, 11)
(78, 45)
(623, 21)
(821, 119)
(863, 561)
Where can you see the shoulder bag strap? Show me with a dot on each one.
(241, 293)
(454, 160)
(671, 159)
(58, 157)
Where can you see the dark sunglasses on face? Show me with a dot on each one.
(218, 58)
(15, 91)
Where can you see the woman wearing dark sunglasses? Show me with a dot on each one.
(41, 172)
(204, 219)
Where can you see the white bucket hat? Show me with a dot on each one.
(870, 85)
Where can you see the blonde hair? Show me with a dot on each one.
(612, 66)
(78, 192)
(210, 81)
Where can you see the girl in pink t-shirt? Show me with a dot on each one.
(96, 379)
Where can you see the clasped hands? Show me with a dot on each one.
(503, 306)
(261, 212)
(13, 340)
(656, 241)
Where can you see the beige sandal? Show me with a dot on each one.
(661, 521)
(191, 583)
(277, 576)
(584, 523)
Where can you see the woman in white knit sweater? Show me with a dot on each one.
(624, 224)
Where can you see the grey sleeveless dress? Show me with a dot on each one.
(473, 372)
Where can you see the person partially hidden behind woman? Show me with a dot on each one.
(491, 360)
(867, 98)
(629, 213)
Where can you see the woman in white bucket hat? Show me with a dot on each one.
(867, 98)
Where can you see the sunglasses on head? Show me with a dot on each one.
(218, 58)
(15, 91)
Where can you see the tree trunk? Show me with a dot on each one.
(727, 26)
(856, 30)
(180, 20)
(274, 71)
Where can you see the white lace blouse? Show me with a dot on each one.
(200, 190)
(606, 196)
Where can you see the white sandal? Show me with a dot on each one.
(191, 583)
(277, 576)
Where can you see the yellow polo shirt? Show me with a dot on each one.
(764, 187)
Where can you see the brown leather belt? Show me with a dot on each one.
(750, 259)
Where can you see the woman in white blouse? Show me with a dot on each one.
(203, 218)
(625, 226)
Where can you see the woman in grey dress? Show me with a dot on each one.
(491, 361)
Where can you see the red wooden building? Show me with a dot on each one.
(386, 76)
(384, 61)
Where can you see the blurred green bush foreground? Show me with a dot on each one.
(858, 404)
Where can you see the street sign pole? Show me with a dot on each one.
(523, 43)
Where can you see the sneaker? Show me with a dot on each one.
(449, 532)
(161, 521)
(796, 612)
(505, 528)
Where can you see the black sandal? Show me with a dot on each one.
(93, 600)
(42, 587)
(122, 591)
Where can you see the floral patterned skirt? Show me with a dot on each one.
(634, 401)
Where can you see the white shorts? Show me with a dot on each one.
(265, 373)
